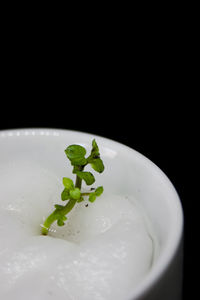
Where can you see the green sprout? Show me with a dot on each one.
(72, 191)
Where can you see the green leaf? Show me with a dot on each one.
(99, 191)
(76, 154)
(94, 152)
(68, 183)
(95, 149)
(65, 194)
(61, 220)
(94, 158)
(58, 207)
(81, 199)
(75, 194)
(88, 177)
(92, 197)
(97, 165)
(96, 193)
(72, 191)
(75, 169)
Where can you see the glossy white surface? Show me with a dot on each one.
(127, 173)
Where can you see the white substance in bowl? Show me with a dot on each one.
(103, 251)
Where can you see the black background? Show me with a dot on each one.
(133, 88)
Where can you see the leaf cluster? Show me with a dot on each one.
(72, 192)
(76, 155)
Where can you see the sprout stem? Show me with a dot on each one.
(68, 207)
(53, 217)
(72, 192)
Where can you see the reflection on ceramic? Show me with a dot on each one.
(38, 153)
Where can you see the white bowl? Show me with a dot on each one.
(127, 171)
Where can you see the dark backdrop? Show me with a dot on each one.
(140, 95)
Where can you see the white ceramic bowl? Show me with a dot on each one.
(126, 171)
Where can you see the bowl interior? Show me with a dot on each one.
(127, 172)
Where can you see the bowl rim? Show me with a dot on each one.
(177, 233)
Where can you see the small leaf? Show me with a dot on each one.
(76, 154)
(94, 152)
(65, 194)
(96, 193)
(95, 149)
(99, 191)
(58, 207)
(88, 177)
(68, 183)
(92, 197)
(97, 165)
(81, 199)
(75, 194)
(60, 220)
(75, 169)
